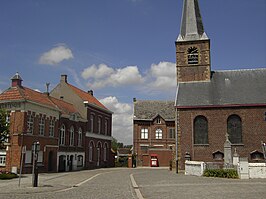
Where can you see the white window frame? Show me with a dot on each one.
(30, 123)
(158, 134)
(2, 160)
(41, 125)
(72, 136)
(62, 135)
(92, 121)
(51, 128)
(80, 137)
(99, 125)
(144, 133)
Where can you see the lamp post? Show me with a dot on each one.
(35, 150)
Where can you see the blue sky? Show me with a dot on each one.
(121, 48)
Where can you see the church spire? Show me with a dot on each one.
(191, 28)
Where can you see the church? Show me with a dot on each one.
(211, 105)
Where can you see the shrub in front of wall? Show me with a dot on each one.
(7, 175)
(221, 173)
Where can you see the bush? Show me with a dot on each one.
(7, 175)
(221, 173)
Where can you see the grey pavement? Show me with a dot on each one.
(117, 183)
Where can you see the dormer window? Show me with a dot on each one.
(158, 120)
(193, 55)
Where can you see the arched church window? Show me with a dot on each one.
(234, 129)
(193, 55)
(200, 130)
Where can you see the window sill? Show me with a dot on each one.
(204, 145)
(240, 144)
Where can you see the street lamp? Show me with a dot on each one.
(35, 149)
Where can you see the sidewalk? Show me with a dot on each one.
(47, 182)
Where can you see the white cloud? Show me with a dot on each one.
(122, 119)
(103, 75)
(56, 55)
(162, 76)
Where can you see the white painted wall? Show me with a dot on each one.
(257, 170)
(194, 168)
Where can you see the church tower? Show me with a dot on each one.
(192, 46)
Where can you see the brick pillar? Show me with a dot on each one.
(129, 161)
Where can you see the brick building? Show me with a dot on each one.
(210, 104)
(153, 131)
(99, 122)
(60, 127)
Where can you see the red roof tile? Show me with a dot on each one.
(87, 97)
(23, 93)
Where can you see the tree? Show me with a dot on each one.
(4, 128)
(116, 145)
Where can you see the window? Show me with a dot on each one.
(158, 120)
(80, 137)
(171, 132)
(200, 130)
(193, 55)
(234, 129)
(62, 135)
(105, 152)
(2, 160)
(41, 125)
(30, 123)
(91, 152)
(71, 138)
(105, 127)
(144, 134)
(51, 128)
(99, 124)
(92, 121)
(159, 134)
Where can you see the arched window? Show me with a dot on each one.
(193, 55)
(92, 121)
(91, 151)
(200, 130)
(62, 135)
(105, 127)
(80, 137)
(234, 129)
(99, 125)
(159, 134)
(72, 134)
(105, 152)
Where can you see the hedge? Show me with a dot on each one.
(221, 173)
(7, 175)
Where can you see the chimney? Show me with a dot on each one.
(134, 99)
(16, 80)
(90, 92)
(63, 78)
(47, 88)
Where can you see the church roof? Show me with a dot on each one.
(191, 28)
(226, 88)
(150, 109)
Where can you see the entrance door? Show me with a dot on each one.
(71, 163)
(62, 163)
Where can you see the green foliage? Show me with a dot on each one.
(121, 162)
(116, 145)
(4, 128)
(7, 175)
(221, 173)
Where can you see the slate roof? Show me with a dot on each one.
(191, 28)
(232, 87)
(19, 93)
(149, 110)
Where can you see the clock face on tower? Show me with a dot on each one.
(193, 55)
